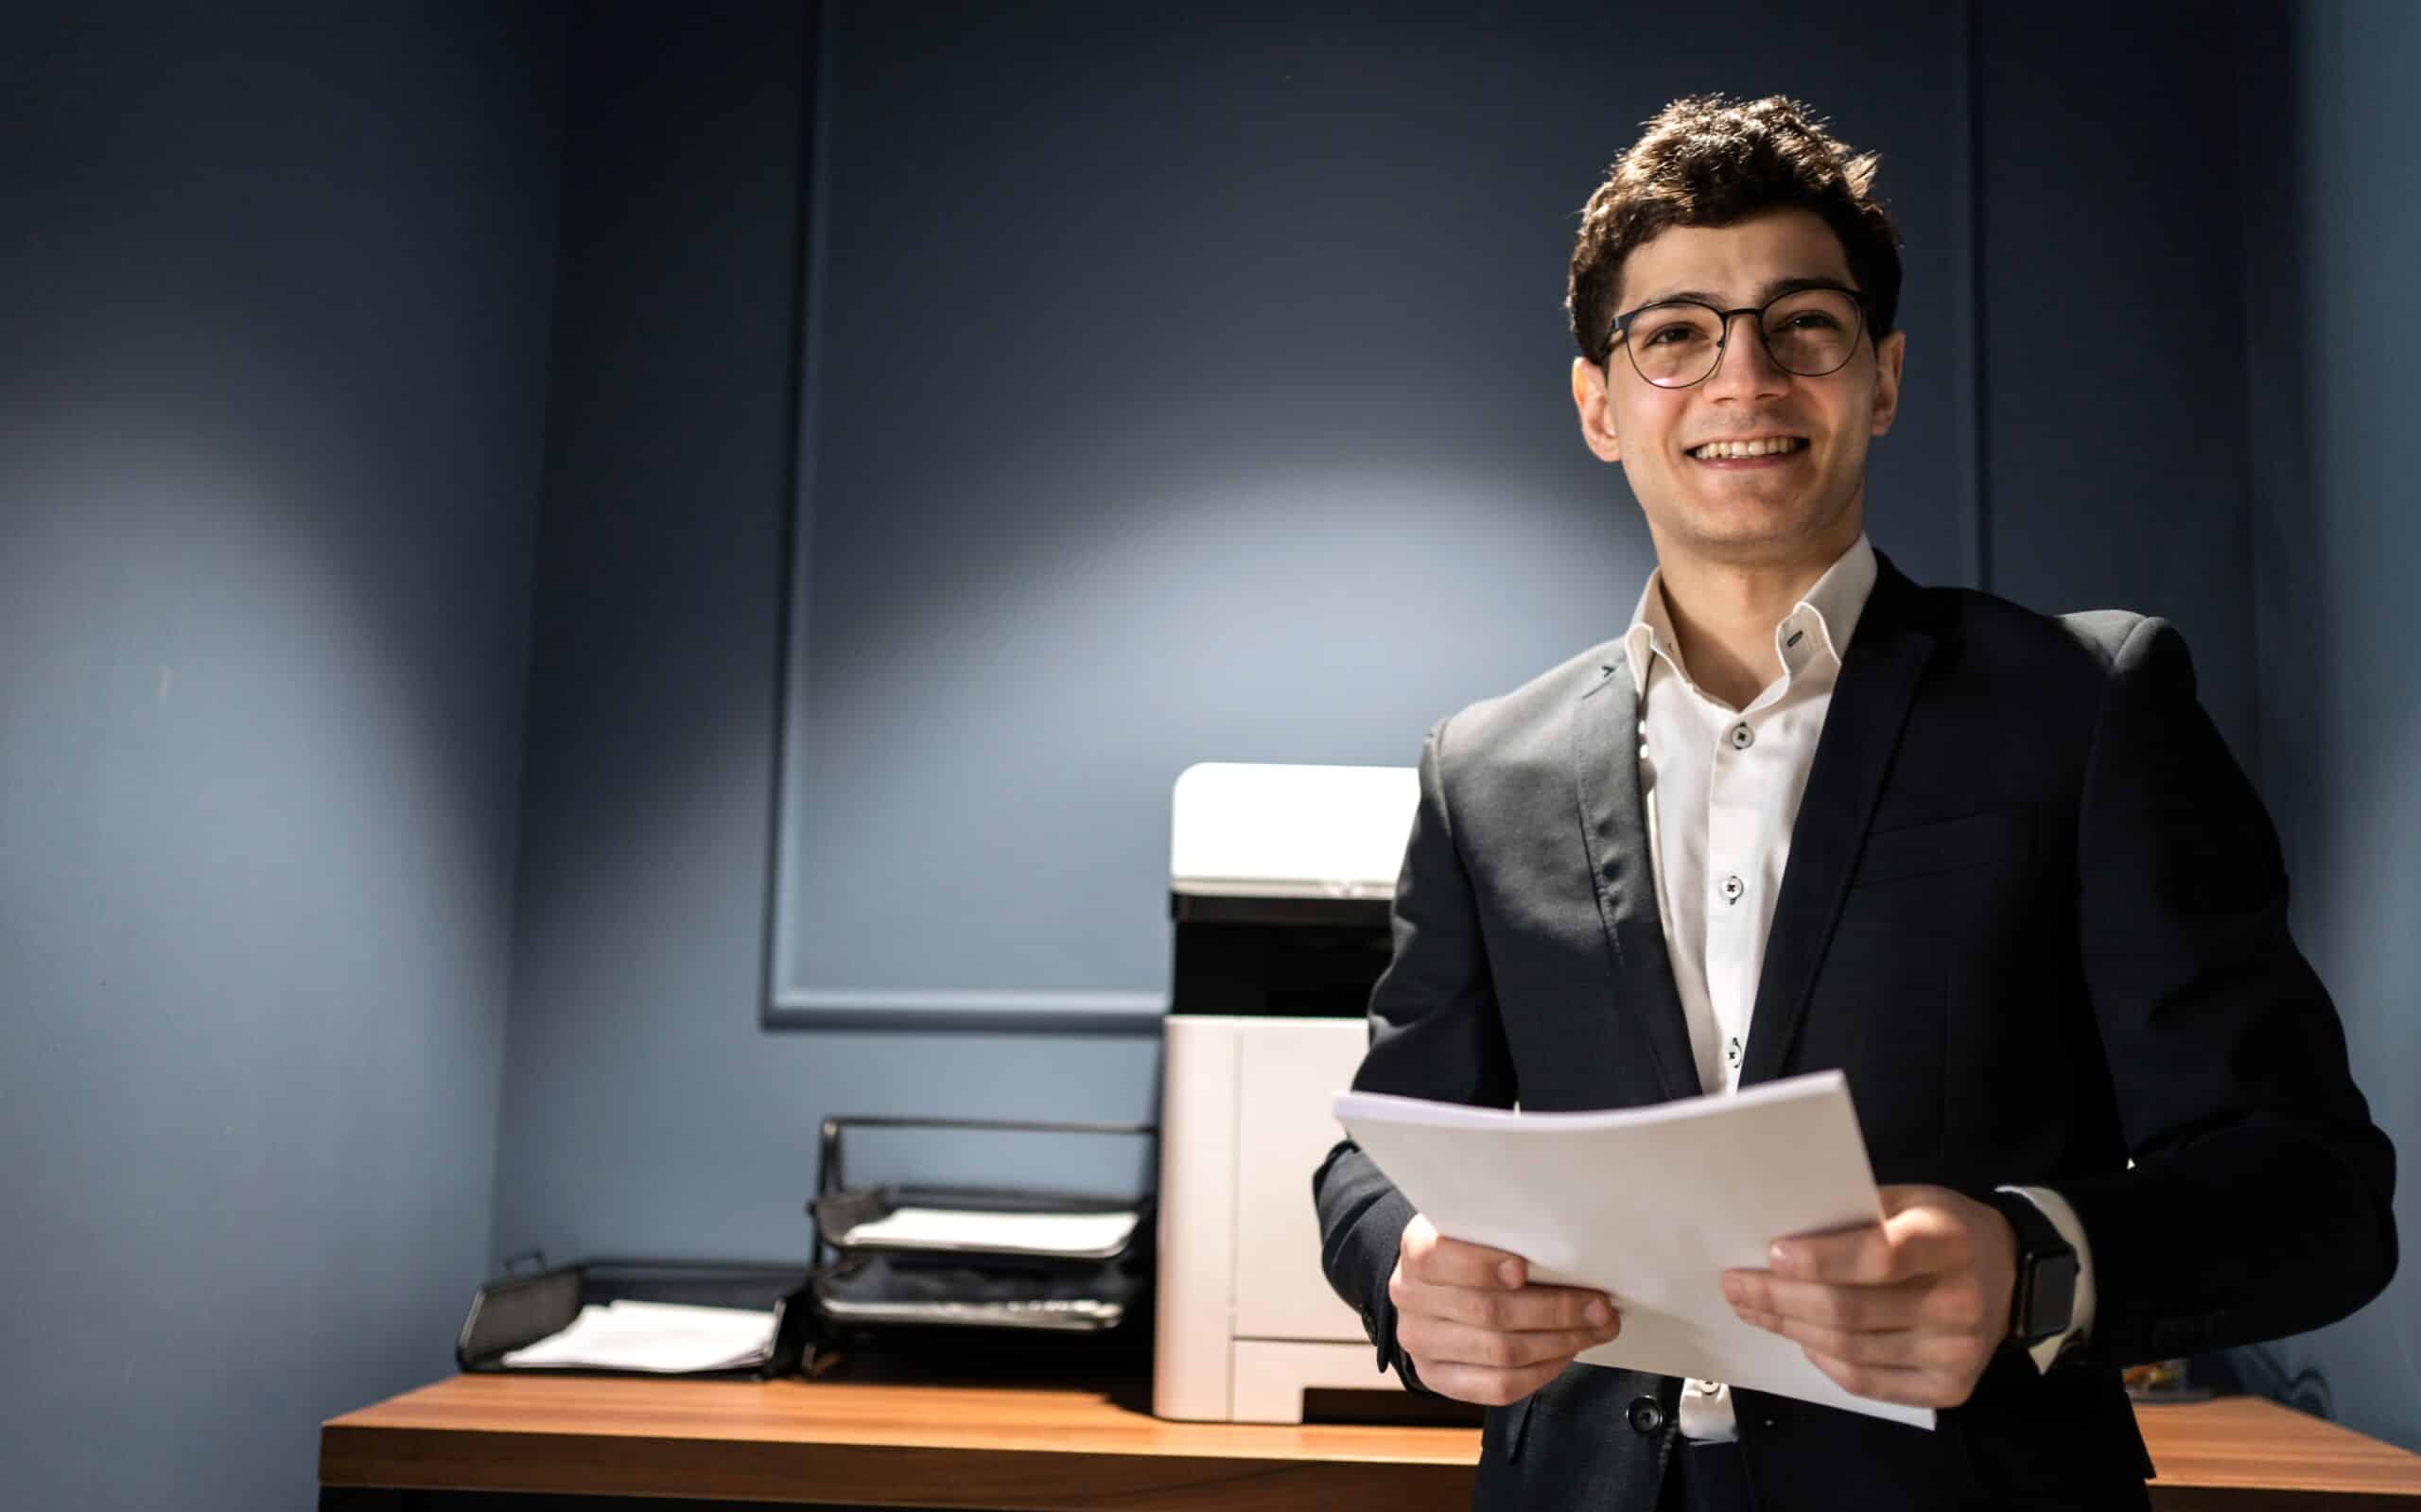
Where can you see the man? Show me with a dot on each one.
(1996, 867)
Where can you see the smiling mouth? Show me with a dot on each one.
(1724, 451)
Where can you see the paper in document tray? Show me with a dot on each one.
(906, 1220)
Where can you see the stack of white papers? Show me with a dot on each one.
(960, 1231)
(658, 1336)
(1650, 1206)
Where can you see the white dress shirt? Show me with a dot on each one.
(1721, 787)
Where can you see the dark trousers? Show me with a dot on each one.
(1705, 1478)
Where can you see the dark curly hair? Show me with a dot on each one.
(1707, 161)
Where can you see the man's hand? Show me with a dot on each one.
(1908, 1310)
(1476, 1330)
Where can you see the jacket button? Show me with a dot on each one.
(1647, 1417)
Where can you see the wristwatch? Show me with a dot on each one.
(2042, 1300)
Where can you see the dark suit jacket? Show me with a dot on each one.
(2033, 911)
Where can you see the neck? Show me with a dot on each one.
(1724, 615)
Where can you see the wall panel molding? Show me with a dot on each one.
(1197, 390)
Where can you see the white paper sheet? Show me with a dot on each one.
(660, 1336)
(1650, 1206)
(955, 1229)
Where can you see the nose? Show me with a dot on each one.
(1744, 367)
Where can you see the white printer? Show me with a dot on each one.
(1279, 880)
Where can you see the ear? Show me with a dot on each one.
(1589, 396)
(1888, 355)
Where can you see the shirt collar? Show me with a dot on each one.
(1820, 623)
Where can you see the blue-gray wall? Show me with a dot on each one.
(2334, 392)
(278, 286)
(2113, 397)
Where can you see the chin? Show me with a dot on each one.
(1778, 522)
(1752, 535)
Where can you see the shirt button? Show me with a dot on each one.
(1732, 888)
(1743, 737)
(1647, 1417)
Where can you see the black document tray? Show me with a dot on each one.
(898, 1292)
(517, 1311)
(837, 1210)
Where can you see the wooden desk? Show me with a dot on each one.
(993, 1445)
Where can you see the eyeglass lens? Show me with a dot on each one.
(1810, 333)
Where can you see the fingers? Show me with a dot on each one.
(1917, 1343)
(1433, 1258)
(1908, 1348)
(1900, 1313)
(1527, 1308)
(1440, 1341)
(1928, 1240)
(1850, 1256)
(1911, 1388)
(1484, 1287)
(1476, 1330)
(1925, 1232)
(1845, 1309)
(1488, 1387)
(1487, 1364)
(1492, 1366)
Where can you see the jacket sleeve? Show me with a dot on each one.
(1434, 1034)
(2259, 1201)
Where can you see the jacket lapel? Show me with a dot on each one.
(1613, 826)
(1879, 682)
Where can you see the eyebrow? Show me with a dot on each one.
(1772, 291)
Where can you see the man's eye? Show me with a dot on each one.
(1671, 336)
(1811, 320)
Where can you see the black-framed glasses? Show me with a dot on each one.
(1810, 331)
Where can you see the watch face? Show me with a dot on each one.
(2044, 1300)
(2051, 1302)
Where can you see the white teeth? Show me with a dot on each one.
(1749, 448)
